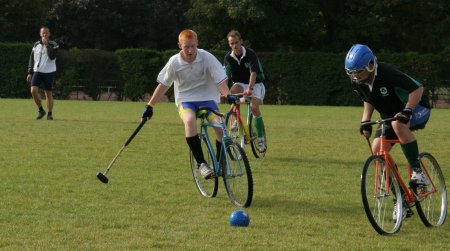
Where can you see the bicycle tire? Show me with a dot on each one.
(237, 175)
(257, 152)
(378, 199)
(432, 208)
(206, 187)
(235, 129)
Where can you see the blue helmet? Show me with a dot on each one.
(358, 58)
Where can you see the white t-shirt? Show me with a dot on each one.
(196, 81)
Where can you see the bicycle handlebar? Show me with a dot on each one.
(211, 110)
(380, 121)
(237, 95)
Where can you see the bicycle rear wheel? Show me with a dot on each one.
(432, 204)
(257, 151)
(206, 187)
(237, 175)
(235, 129)
(379, 190)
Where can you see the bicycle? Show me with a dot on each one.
(231, 164)
(384, 193)
(244, 133)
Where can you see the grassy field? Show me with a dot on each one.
(306, 190)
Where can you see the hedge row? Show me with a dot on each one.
(309, 78)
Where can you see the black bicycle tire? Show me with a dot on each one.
(420, 210)
(248, 173)
(198, 179)
(365, 199)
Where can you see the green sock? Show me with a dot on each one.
(259, 124)
(411, 151)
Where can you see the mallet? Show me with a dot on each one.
(102, 176)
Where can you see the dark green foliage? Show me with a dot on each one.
(13, 70)
(307, 79)
(87, 70)
(311, 78)
(139, 68)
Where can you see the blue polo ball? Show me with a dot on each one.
(239, 218)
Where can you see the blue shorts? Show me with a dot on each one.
(194, 106)
(420, 117)
(43, 80)
(418, 120)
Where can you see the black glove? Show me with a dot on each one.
(231, 99)
(405, 115)
(365, 127)
(148, 112)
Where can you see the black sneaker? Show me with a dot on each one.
(49, 117)
(40, 114)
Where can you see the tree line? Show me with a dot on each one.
(267, 25)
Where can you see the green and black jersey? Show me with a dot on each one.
(239, 69)
(390, 90)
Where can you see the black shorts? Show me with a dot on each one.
(43, 80)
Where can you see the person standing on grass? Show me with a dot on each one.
(198, 77)
(42, 71)
(392, 93)
(245, 71)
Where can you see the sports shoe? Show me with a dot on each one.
(418, 179)
(40, 115)
(262, 144)
(49, 117)
(206, 171)
(407, 212)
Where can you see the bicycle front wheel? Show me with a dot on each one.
(380, 190)
(206, 187)
(235, 129)
(432, 204)
(258, 152)
(237, 175)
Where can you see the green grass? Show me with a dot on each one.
(306, 191)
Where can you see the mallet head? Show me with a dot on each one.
(102, 178)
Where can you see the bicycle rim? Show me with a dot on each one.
(379, 192)
(257, 152)
(432, 204)
(237, 175)
(235, 129)
(206, 187)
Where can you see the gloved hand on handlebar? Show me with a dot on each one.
(231, 99)
(405, 115)
(364, 127)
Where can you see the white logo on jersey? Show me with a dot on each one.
(384, 92)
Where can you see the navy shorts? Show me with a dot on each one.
(418, 120)
(43, 80)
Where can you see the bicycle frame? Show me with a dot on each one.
(235, 108)
(231, 164)
(204, 124)
(410, 196)
(381, 182)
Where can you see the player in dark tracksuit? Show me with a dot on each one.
(393, 94)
